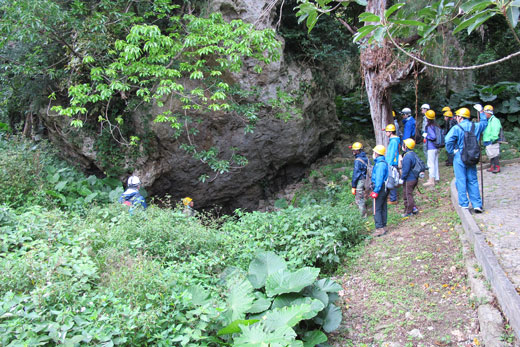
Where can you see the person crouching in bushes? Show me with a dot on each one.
(131, 196)
(408, 178)
(379, 192)
(188, 207)
(359, 175)
(432, 151)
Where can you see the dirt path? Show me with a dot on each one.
(409, 287)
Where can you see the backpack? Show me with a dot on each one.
(392, 180)
(471, 152)
(368, 177)
(419, 166)
(439, 138)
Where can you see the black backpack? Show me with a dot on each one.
(419, 166)
(439, 138)
(471, 152)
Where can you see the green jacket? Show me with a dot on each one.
(492, 131)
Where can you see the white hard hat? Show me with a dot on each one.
(133, 181)
(406, 110)
(426, 106)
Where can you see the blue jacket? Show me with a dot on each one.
(409, 128)
(392, 152)
(360, 169)
(133, 198)
(430, 137)
(379, 173)
(408, 164)
(455, 137)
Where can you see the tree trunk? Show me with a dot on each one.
(381, 71)
(27, 129)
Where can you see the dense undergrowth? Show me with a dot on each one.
(77, 268)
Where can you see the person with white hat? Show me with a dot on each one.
(131, 196)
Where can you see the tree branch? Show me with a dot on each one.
(353, 30)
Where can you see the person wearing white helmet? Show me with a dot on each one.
(131, 197)
(408, 124)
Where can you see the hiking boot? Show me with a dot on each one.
(496, 169)
(491, 168)
(390, 202)
(379, 232)
(431, 182)
(415, 210)
(406, 215)
(464, 207)
(478, 209)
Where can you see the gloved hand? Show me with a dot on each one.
(401, 181)
(478, 107)
(424, 141)
(425, 134)
(353, 191)
(374, 195)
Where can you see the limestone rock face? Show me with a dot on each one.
(278, 152)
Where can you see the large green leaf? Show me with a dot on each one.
(234, 327)
(286, 316)
(258, 335)
(199, 296)
(314, 292)
(260, 304)
(289, 300)
(314, 337)
(329, 318)
(239, 298)
(264, 264)
(284, 281)
(512, 15)
(328, 285)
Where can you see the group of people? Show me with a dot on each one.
(453, 137)
(132, 198)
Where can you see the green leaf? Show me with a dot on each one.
(361, 2)
(91, 197)
(311, 21)
(512, 15)
(330, 318)
(260, 304)
(364, 31)
(284, 281)
(314, 337)
(473, 21)
(295, 299)
(316, 293)
(234, 327)
(369, 17)
(328, 285)
(474, 5)
(259, 335)
(59, 187)
(392, 9)
(239, 298)
(199, 296)
(263, 265)
(286, 316)
(408, 22)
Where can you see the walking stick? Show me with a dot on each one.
(481, 168)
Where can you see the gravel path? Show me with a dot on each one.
(500, 221)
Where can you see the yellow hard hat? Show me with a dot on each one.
(390, 127)
(186, 200)
(410, 143)
(380, 149)
(463, 112)
(448, 114)
(356, 146)
(393, 114)
(446, 108)
(430, 114)
(488, 108)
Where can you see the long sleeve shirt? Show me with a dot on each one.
(455, 138)
(431, 136)
(409, 128)
(408, 164)
(360, 168)
(392, 152)
(492, 131)
(379, 173)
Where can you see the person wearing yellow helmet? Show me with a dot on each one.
(392, 156)
(449, 122)
(432, 152)
(379, 192)
(188, 206)
(491, 139)
(465, 174)
(361, 164)
(409, 178)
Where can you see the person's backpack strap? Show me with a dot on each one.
(361, 160)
